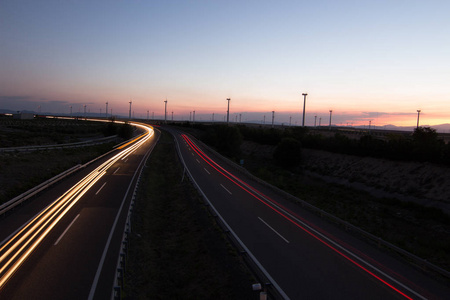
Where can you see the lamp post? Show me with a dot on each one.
(273, 117)
(106, 111)
(418, 115)
(165, 111)
(304, 104)
(228, 111)
(129, 114)
(315, 120)
(331, 111)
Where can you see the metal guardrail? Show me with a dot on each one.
(59, 146)
(121, 260)
(5, 207)
(414, 259)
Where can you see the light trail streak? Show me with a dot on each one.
(301, 225)
(16, 249)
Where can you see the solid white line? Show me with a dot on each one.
(100, 188)
(226, 189)
(274, 230)
(60, 237)
(207, 171)
(116, 170)
(197, 160)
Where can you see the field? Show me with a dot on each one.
(20, 171)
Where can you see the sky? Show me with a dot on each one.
(367, 61)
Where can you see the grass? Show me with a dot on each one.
(22, 171)
(177, 250)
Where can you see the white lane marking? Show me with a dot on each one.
(116, 170)
(273, 230)
(226, 189)
(207, 171)
(60, 237)
(197, 160)
(192, 153)
(100, 188)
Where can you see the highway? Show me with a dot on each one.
(304, 256)
(65, 243)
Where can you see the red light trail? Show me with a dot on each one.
(278, 209)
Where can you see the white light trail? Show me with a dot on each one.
(18, 248)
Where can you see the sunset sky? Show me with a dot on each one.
(365, 60)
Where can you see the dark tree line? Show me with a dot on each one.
(422, 145)
(124, 131)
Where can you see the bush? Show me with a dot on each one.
(288, 153)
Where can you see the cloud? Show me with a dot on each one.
(24, 102)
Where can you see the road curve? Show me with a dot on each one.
(305, 256)
(65, 243)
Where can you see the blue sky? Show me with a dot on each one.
(365, 60)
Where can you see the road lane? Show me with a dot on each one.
(320, 261)
(67, 270)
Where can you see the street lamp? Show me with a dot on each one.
(418, 114)
(228, 111)
(304, 104)
(165, 111)
(129, 114)
(273, 117)
(331, 111)
(106, 111)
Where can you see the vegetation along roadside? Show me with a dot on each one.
(176, 249)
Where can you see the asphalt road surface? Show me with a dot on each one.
(305, 256)
(65, 243)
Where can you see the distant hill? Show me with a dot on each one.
(444, 128)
